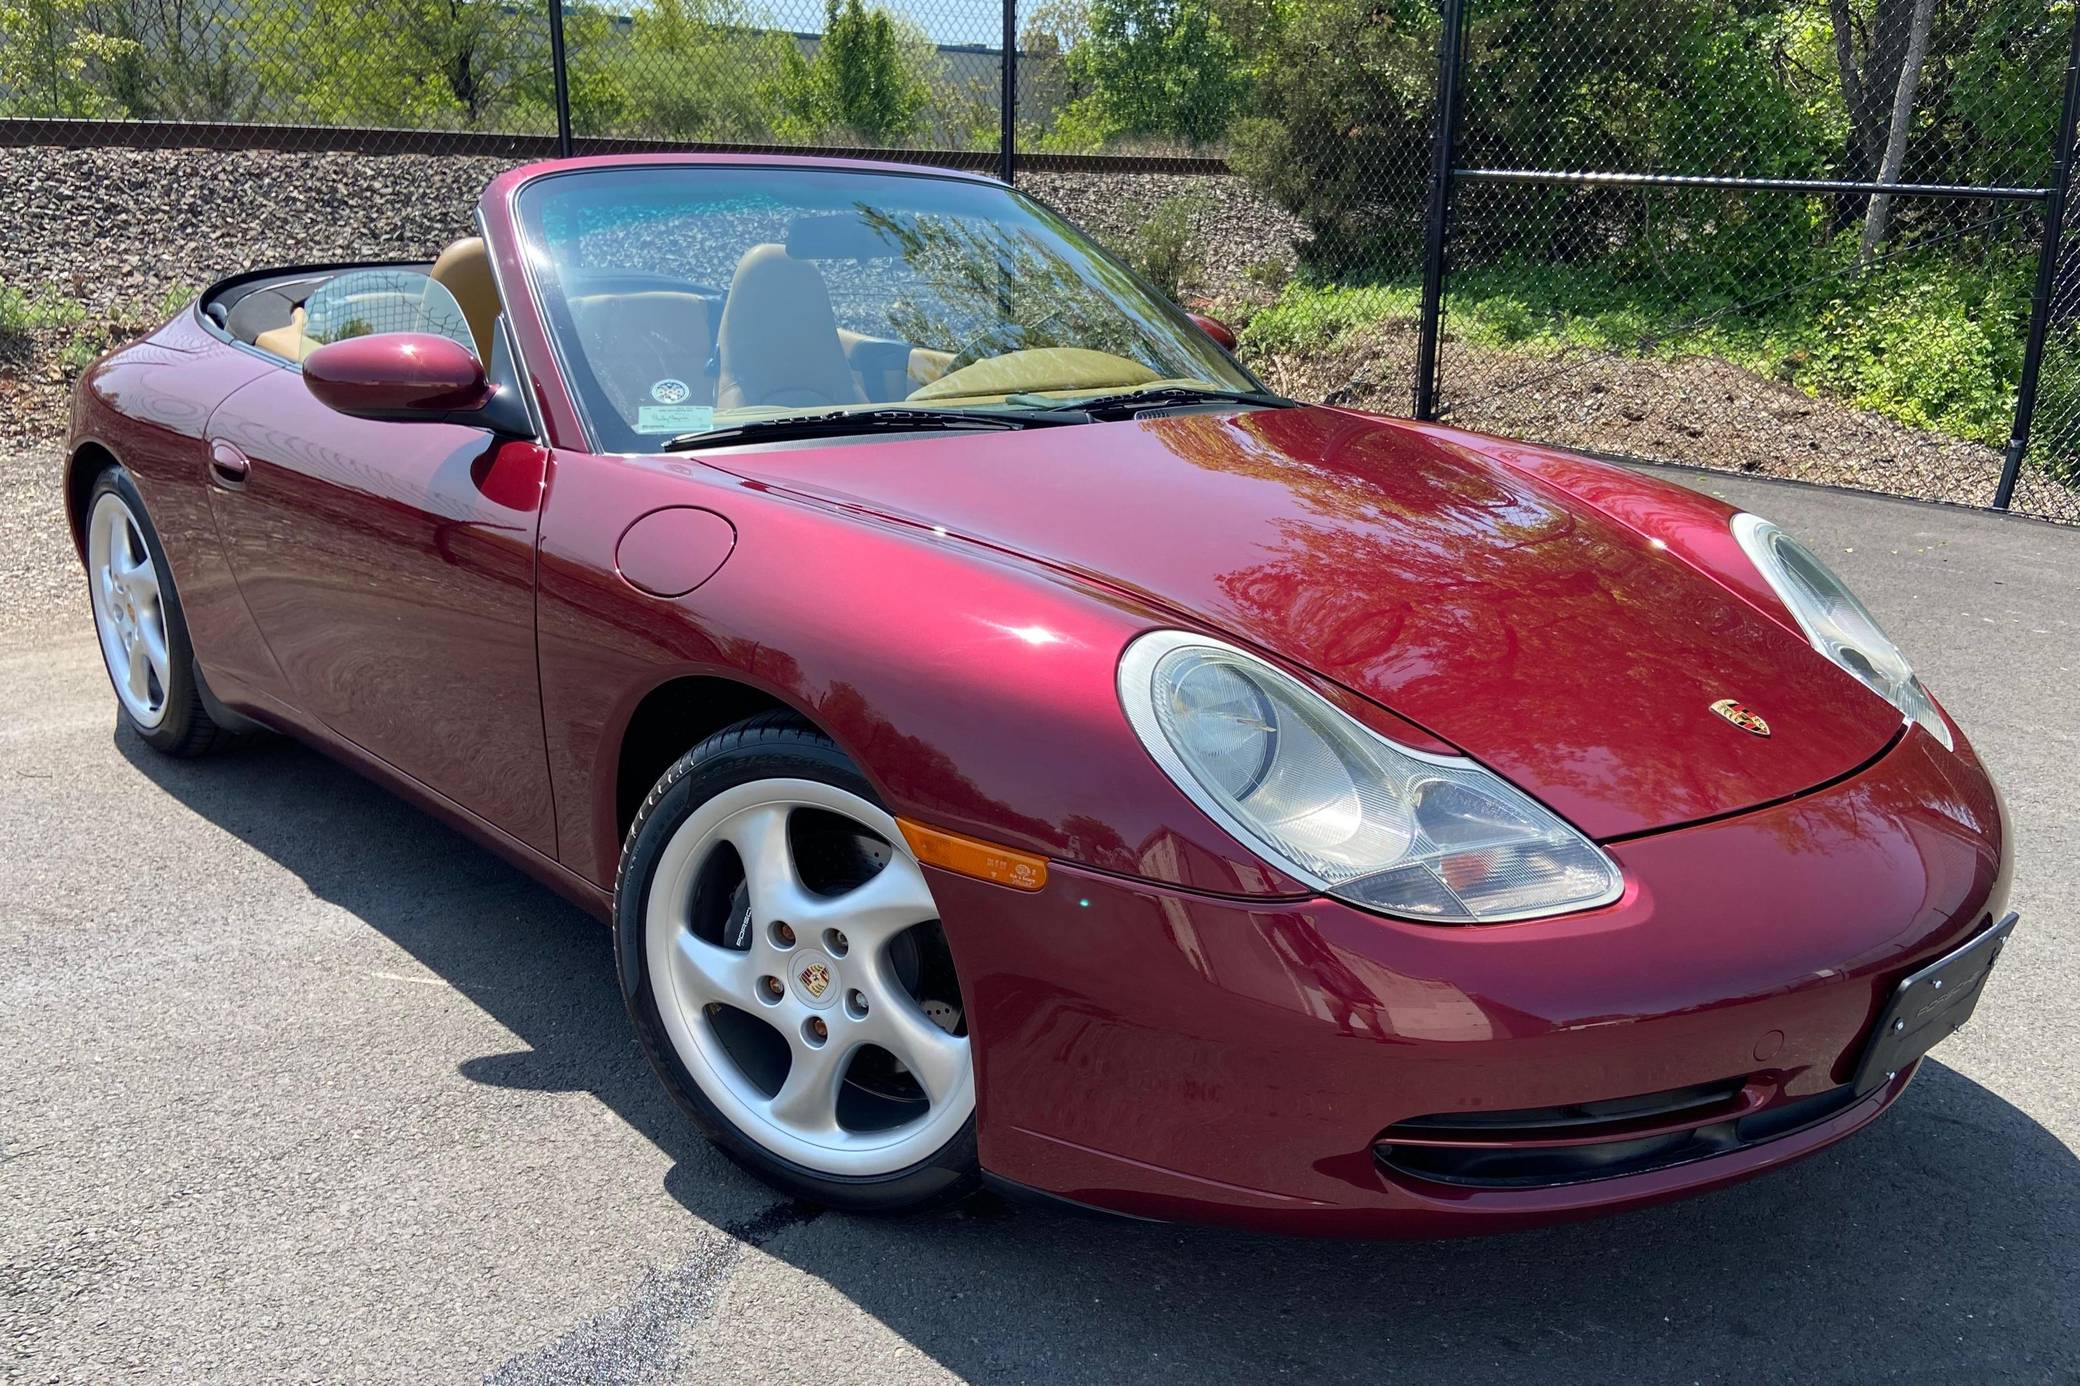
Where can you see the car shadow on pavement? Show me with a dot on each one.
(1945, 1240)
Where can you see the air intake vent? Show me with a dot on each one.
(1543, 1146)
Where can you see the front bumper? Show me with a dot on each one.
(1172, 1055)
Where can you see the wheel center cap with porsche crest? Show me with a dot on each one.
(1746, 719)
(814, 978)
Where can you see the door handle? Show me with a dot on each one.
(228, 467)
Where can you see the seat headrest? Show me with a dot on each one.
(778, 341)
(464, 270)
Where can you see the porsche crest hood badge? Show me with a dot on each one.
(1747, 720)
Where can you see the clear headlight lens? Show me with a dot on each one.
(1836, 622)
(1333, 803)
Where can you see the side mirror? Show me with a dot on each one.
(1214, 328)
(407, 377)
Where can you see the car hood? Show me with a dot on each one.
(1544, 638)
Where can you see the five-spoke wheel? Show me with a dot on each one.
(796, 988)
(137, 616)
(129, 612)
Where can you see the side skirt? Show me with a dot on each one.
(250, 708)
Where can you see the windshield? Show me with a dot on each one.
(689, 298)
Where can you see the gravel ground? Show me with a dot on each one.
(1233, 229)
(300, 1086)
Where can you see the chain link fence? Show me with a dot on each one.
(1809, 238)
(1655, 247)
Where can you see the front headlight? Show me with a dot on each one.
(1836, 623)
(1335, 804)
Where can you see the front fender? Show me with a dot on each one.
(976, 690)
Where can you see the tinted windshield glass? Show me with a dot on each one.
(690, 298)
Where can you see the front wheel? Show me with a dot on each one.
(787, 975)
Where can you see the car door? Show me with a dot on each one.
(390, 568)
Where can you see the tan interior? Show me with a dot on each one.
(287, 340)
(632, 341)
(921, 367)
(1063, 369)
(778, 344)
(927, 364)
(464, 270)
(778, 341)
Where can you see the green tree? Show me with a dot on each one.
(477, 48)
(600, 100)
(48, 50)
(870, 79)
(698, 70)
(1345, 93)
(1676, 86)
(1152, 67)
(174, 63)
(417, 63)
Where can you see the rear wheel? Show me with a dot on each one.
(788, 977)
(137, 617)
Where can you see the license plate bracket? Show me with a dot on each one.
(1928, 1006)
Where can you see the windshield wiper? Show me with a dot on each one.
(1156, 398)
(860, 421)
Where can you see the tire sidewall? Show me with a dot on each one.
(183, 703)
(768, 749)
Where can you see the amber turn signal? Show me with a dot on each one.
(985, 861)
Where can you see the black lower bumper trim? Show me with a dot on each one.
(1498, 1165)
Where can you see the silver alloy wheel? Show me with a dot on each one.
(129, 612)
(818, 971)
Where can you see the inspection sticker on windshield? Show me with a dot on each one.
(674, 418)
(670, 391)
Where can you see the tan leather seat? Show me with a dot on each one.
(287, 340)
(633, 341)
(778, 342)
(464, 270)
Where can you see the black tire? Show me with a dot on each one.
(768, 746)
(186, 729)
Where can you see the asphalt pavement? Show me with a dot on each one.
(297, 1085)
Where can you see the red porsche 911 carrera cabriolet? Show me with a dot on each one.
(1010, 744)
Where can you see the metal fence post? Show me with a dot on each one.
(560, 70)
(1007, 133)
(2047, 279)
(1443, 142)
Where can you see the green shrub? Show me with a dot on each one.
(22, 316)
(1273, 272)
(1932, 341)
(1929, 345)
(1315, 316)
(1161, 247)
(14, 313)
(2055, 437)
